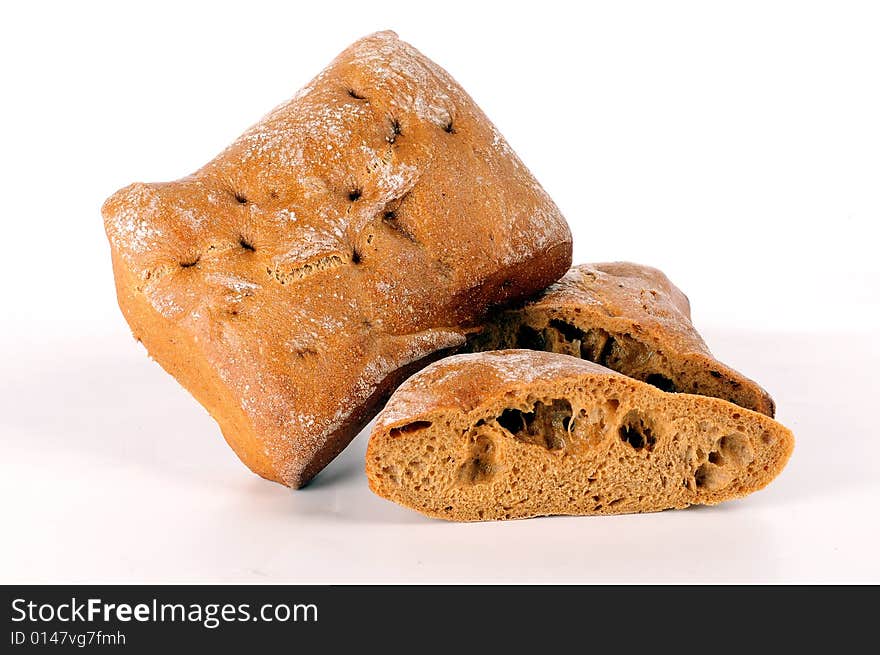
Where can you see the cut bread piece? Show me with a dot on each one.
(521, 433)
(629, 318)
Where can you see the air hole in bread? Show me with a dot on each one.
(733, 453)
(240, 198)
(409, 428)
(736, 448)
(449, 127)
(480, 464)
(389, 216)
(632, 436)
(637, 431)
(661, 382)
(190, 264)
(546, 425)
(511, 420)
(594, 345)
(567, 330)
(354, 195)
(711, 477)
(244, 243)
(701, 476)
(357, 96)
(530, 338)
(391, 473)
(605, 354)
(355, 256)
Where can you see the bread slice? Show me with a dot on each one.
(520, 433)
(629, 318)
(336, 246)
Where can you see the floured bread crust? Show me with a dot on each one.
(521, 433)
(336, 246)
(629, 318)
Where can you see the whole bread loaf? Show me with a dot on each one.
(520, 433)
(629, 318)
(336, 246)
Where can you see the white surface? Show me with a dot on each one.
(736, 148)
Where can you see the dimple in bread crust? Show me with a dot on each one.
(338, 245)
(518, 433)
(629, 318)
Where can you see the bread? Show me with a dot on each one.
(336, 246)
(627, 317)
(520, 433)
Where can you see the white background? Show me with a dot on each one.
(735, 145)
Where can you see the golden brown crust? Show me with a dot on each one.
(627, 317)
(344, 238)
(520, 433)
